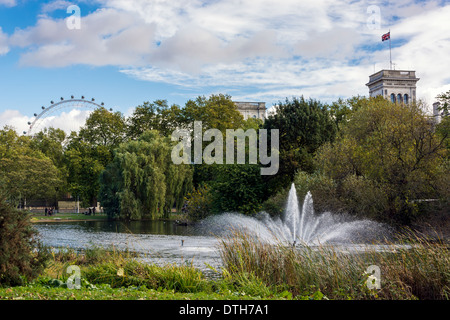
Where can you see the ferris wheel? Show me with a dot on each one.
(54, 108)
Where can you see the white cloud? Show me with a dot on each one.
(4, 47)
(55, 5)
(8, 3)
(70, 120)
(277, 48)
(106, 37)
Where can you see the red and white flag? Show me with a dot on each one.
(386, 36)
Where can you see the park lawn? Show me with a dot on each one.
(41, 217)
(58, 217)
(105, 292)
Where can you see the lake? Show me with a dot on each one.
(158, 242)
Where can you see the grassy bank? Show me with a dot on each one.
(64, 217)
(252, 270)
(417, 270)
(41, 217)
(108, 274)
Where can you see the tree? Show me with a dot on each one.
(304, 126)
(391, 150)
(12, 145)
(22, 257)
(25, 173)
(142, 181)
(88, 153)
(29, 178)
(237, 188)
(216, 112)
(444, 100)
(153, 116)
(50, 142)
(84, 164)
(104, 128)
(341, 110)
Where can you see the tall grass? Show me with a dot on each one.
(121, 269)
(419, 271)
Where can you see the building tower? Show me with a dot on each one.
(395, 85)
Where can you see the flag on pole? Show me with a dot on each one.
(386, 36)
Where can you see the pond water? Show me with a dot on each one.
(159, 242)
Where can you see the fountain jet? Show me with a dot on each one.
(301, 226)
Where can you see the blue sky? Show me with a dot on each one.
(130, 51)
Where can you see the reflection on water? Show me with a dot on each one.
(156, 241)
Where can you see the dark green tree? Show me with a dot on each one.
(237, 188)
(88, 152)
(304, 125)
(22, 257)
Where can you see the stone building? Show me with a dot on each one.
(395, 85)
(255, 110)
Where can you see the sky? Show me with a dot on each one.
(125, 52)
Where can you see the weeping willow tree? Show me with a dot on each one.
(142, 181)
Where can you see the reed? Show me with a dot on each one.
(419, 271)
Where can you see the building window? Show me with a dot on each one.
(392, 98)
(405, 99)
(399, 98)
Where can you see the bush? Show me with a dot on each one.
(22, 257)
(199, 203)
(322, 188)
(275, 204)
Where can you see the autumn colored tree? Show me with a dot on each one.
(387, 152)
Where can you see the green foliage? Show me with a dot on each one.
(12, 145)
(26, 178)
(304, 126)
(88, 153)
(387, 155)
(103, 128)
(84, 164)
(325, 272)
(217, 112)
(237, 187)
(153, 116)
(276, 204)
(444, 100)
(143, 180)
(199, 203)
(22, 258)
(25, 173)
(50, 142)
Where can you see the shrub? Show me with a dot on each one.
(199, 203)
(275, 204)
(22, 257)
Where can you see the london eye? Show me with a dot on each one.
(40, 119)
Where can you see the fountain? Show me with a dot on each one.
(301, 226)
